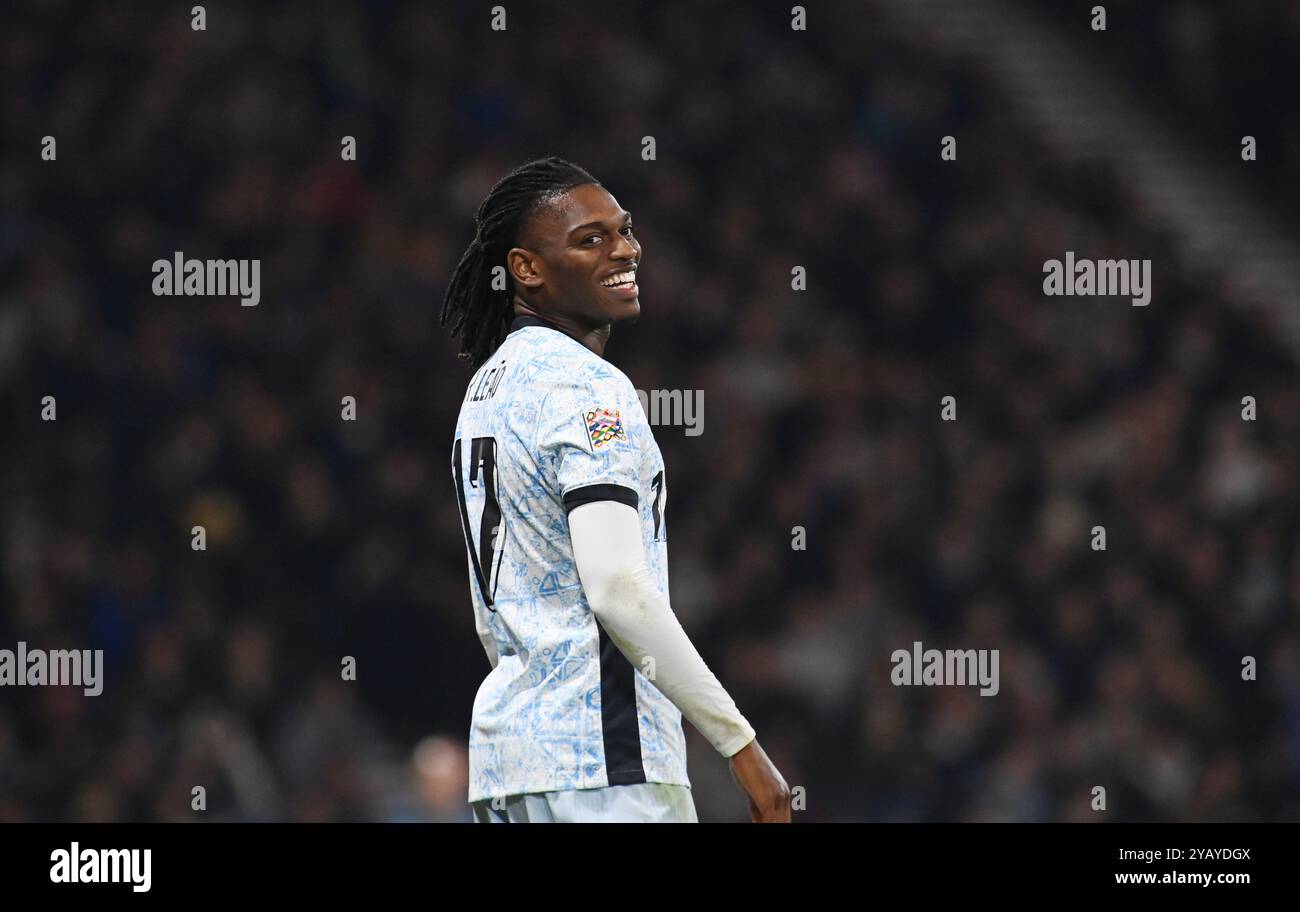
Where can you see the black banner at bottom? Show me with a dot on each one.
(233, 861)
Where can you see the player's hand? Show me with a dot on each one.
(769, 796)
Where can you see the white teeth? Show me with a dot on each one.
(620, 279)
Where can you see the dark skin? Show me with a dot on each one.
(567, 249)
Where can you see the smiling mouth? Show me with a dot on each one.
(622, 285)
(621, 280)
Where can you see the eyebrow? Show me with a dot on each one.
(627, 217)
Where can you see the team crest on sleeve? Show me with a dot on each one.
(604, 426)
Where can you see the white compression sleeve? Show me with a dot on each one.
(611, 563)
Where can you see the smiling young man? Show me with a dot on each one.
(563, 501)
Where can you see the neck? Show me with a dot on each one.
(591, 337)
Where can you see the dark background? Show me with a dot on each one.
(775, 148)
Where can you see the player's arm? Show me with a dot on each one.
(620, 588)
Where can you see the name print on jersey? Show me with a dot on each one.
(486, 388)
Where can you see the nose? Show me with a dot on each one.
(625, 249)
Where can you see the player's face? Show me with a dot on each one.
(583, 246)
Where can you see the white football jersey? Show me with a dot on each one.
(547, 425)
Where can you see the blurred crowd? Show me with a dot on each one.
(1216, 71)
(775, 148)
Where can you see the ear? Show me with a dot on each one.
(523, 266)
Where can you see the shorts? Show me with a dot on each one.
(644, 802)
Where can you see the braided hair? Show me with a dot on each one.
(479, 315)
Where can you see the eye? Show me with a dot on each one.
(627, 230)
(592, 237)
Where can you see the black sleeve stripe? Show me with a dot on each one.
(592, 493)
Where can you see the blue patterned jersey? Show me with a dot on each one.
(547, 425)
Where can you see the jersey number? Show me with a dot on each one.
(486, 558)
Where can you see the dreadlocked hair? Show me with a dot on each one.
(479, 315)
